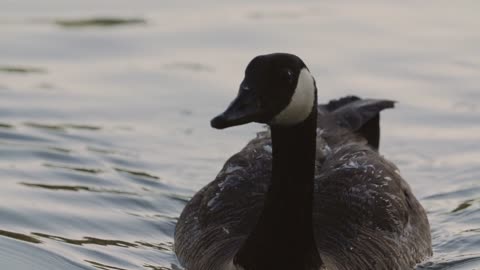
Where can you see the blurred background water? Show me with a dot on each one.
(105, 109)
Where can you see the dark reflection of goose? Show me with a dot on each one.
(314, 194)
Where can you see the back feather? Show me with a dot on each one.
(360, 115)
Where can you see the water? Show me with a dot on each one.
(104, 114)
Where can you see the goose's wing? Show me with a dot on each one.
(219, 217)
(365, 214)
(358, 116)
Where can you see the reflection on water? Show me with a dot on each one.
(189, 66)
(3, 125)
(87, 241)
(136, 173)
(104, 132)
(98, 22)
(19, 236)
(463, 205)
(61, 127)
(76, 188)
(103, 266)
(86, 170)
(15, 69)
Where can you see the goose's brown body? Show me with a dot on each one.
(364, 214)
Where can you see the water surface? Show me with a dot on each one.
(104, 113)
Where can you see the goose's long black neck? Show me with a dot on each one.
(283, 237)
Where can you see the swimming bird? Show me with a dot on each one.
(312, 192)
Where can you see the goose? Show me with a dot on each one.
(312, 192)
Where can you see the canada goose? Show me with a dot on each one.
(311, 193)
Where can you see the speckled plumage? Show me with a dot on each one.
(365, 215)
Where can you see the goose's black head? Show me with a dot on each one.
(278, 89)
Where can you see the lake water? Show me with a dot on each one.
(105, 109)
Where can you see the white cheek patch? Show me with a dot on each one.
(301, 104)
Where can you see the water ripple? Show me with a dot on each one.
(99, 22)
(78, 188)
(103, 266)
(87, 241)
(460, 262)
(20, 236)
(137, 173)
(98, 158)
(76, 169)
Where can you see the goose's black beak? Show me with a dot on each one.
(244, 109)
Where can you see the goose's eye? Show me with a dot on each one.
(288, 75)
(244, 87)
